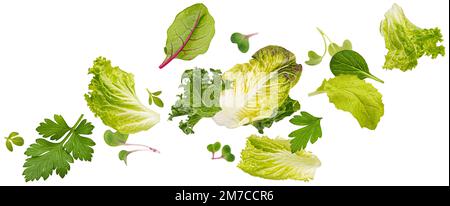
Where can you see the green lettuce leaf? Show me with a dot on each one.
(257, 88)
(351, 94)
(406, 42)
(272, 159)
(200, 97)
(112, 98)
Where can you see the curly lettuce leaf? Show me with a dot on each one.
(112, 98)
(406, 42)
(272, 159)
(257, 88)
(200, 97)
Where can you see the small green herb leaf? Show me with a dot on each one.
(229, 157)
(242, 41)
(18, 141)
(123, 155)
(226, 150)
(314, 58)
(352, 63)
(9, 146)
(157, 93)
(114, 139)
(216, 147)
(334, 48)
(310, 133)
(158, 101)
(210, 148)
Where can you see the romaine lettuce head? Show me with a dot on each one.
(112, 98)
(256, 89)
(272, 159)
(406, 42)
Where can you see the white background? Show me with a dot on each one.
(46, 48)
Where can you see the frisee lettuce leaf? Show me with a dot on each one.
(406, 42)
(112, 98)
(272, 159)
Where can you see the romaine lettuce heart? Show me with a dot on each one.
(257, 88)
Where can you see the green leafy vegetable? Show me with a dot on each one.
(13, 139)
(112, 98)
(258, 88)
(288, 108)
(352, 63)
(272, 159)
(46, 156)
(311, 131)
(189, 35)
(200, 97)
(242, 41)
(153, 98)
(351, 94)
(226, 152)
(406, 42)
(115, 139)
(333, 48)
(123, 155)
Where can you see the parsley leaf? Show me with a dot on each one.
(310, 133)
(53, 129)
(47, 156)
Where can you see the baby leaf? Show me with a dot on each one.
(229, 157)
(189, 35)
(13, 139)
(226, 149)
(153, 98)
(314, 58)
(123, 155)
(158, 101)
(352, 63)
(351, 94)
(334, 48)
(114, 139)
(9, 146)
(216, 147)
(242, 41)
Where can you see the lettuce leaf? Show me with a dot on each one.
(200, 97)
(351, 94)
(272, 159)
(112, 98)
(258, 88)
(406, 42)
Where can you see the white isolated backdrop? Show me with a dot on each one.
(47, 46)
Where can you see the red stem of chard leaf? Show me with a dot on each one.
(173, 56)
